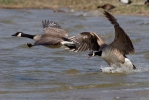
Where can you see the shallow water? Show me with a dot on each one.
(41, 73)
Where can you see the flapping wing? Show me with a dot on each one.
(87, 41)
(122, 42)
(51, 27)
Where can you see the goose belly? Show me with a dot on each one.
(118, 63)
(58, 45)
(116, 59)
(127, 64)
(110, 58)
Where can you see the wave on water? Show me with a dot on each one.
(123, 69)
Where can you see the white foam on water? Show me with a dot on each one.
(124, 69)
(142, 69)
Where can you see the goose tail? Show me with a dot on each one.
(134, 67)
(69, 44)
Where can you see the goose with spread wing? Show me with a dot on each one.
(53, 36)
(113, 53)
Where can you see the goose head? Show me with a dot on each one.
(18, 34)
(97, 53)
(91, 54)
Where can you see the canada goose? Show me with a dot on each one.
(107, 7)
(54, 36)
(113, 53)
(126, 1)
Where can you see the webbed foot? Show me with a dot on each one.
(29, 45)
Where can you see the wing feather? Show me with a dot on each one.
(51, 27)
(122, 42)
(87, 41)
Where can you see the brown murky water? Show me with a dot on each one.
(41, 73)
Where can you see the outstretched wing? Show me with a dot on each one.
(51, 27)
(121, 42)
(87, 41)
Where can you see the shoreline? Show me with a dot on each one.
(136, 8)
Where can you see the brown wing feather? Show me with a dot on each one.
(51, 27)
(87, 41)
(122, 42)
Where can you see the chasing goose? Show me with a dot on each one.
(54, 36)
(113, 53)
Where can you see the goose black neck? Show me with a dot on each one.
(27, 35)
(98, 53)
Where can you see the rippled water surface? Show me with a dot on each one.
(41, 73)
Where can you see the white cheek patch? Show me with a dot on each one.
(19, 35)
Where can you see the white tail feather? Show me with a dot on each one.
(66, 42)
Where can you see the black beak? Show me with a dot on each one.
(90, 54)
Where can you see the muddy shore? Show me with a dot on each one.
(137, 7)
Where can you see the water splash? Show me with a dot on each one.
(123, 69)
